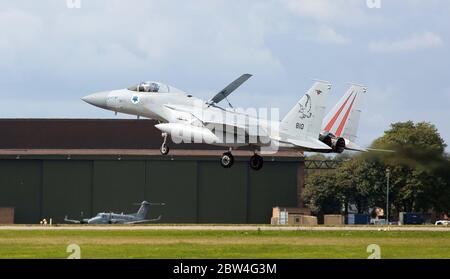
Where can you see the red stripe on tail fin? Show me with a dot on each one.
(342, 124)
(336, 116)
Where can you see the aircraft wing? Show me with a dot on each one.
(66, 219)
(200, 114)
(229, 89)
(207, 118)
(145, 220)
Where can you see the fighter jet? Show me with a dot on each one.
(190, 119)
(114, 218)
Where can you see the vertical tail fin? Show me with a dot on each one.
(343, 119)
(143, 210)
(304, 120)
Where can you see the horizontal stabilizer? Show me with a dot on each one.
(309, 144)
(354, 147)
(380, 150)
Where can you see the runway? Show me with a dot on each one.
(224, 228)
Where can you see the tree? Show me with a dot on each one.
(419, 180)
(419, 138)
(361, 183)
(321, 193)
(416, 166)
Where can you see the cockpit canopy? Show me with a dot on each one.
(153, 87)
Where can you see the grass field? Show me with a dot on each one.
(223, 244)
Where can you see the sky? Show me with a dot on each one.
(53, 52)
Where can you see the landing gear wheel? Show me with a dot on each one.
(256, 162)
(164, 149)
(227, 160)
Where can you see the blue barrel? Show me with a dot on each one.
(358, 219)
(413, 219)
(362, 219)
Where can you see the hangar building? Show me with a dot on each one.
(53, 167)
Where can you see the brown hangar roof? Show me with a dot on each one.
(96, 137)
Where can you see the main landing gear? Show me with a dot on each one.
(227, 160)
(164, 148)
(256, 162)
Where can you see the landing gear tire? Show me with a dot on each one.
(164, 149)
(256, 162)
(227, 160)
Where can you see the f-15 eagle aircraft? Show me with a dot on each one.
(191, 119)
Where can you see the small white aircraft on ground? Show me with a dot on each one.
(190, 119)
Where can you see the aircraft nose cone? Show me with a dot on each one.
(97, 99)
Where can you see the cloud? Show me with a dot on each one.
(76, 48)
(24, 28)
(18, 31)
(414, 42)
(329, 35)
(317, 9)
(447, 93)
(52, 55)
(354, 13)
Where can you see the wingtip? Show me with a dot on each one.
(358, 85)
(321, 80)
(355, 83)
(329, 84)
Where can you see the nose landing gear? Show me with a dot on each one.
(164, 148)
